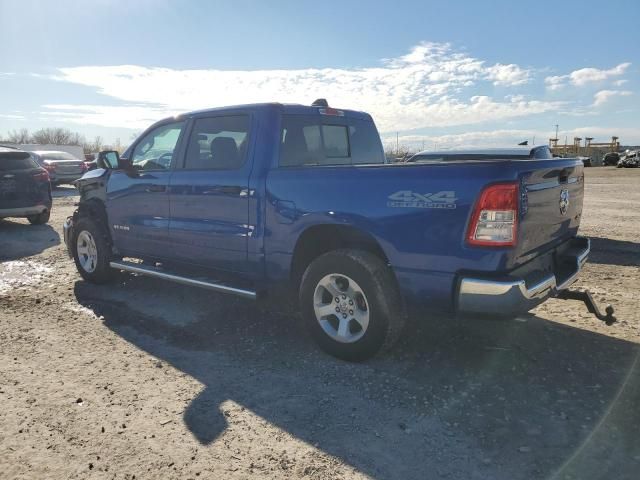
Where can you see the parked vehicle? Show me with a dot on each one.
(631, 159)
(490, 154)
(61, 166)
(610, 159)
(25, 190)
(258, 199)
(586, 161)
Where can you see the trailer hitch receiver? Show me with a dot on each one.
(586, 297)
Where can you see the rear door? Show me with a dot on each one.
(209, 198)
(138, 202)
(18, 187)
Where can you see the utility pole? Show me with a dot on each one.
(556, 125)
(397, 145)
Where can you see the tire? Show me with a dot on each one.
(92, 261)
(358, 279)
(40, 218)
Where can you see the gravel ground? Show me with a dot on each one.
(144, 379)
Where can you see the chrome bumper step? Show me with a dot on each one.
(194, 282)
(513, 296)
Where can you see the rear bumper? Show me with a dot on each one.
(514, 295)
(23, 211)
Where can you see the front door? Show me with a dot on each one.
(209, 197)
(138, 200)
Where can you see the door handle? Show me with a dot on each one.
(156, 188)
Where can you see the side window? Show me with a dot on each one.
(306, 140)
(218, 143)
(155, 150)
(366, 146)
(300, 141)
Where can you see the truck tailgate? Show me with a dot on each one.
(551, 205)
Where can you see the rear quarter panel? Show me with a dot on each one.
(422, 239)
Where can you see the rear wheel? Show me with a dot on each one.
(91, 251)
(40, 218)
(351, 305)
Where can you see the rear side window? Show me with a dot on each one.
(316, 140)
(218, 143)
(16, 161)
(366, 146)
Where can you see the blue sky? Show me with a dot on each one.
(447, 73)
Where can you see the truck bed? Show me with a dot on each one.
(419, 213)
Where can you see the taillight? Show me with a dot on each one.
(494, 221)
(41, 176)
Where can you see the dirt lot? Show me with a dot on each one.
(144, 379)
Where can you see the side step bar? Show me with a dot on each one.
(154, 272)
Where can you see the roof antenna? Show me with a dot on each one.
(320, 102)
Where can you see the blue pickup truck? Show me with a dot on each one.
(258, 199)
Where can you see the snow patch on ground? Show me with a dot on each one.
(20, 273)
(81, 309)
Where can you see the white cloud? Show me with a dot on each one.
(12, 116)
(555, 82)
(509, 138)
(423, 88)
(585, 76)
(510, 74)
(130, 116)
(589, 75)
(603, 96)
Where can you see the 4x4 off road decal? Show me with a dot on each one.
(408, 199)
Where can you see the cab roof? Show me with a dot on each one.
(285, 108)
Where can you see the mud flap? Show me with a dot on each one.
(586, 297)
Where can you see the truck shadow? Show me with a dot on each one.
(614, 252)
(480, 400)
(20, 239)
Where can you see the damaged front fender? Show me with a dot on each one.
(93, 184)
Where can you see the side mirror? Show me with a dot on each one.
(109, 159)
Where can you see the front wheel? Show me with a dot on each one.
(351, 305)
(91, 251)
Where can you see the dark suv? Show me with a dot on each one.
(25, 190)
